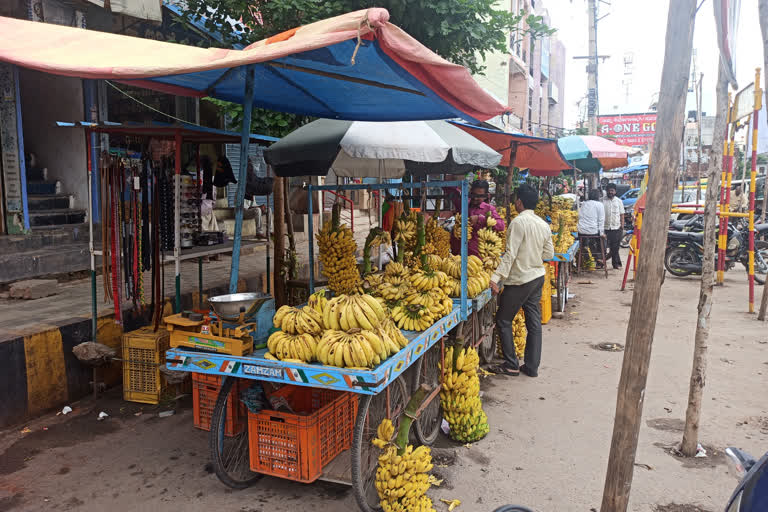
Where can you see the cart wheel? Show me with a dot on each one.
(230, 454)
(487, 348)
(365, 457)
(562, 289)
(427, 426)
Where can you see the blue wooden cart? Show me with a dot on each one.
(382, 391)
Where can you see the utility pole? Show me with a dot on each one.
(698, 86)
(592, 106)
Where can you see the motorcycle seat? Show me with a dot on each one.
(685, 235)
(761, 227)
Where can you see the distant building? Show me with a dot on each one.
(530, 79)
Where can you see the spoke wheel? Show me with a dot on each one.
(365, 457)
(562, 286)
(427, 427)
(230, 455)
(487, 348)
(761, 261)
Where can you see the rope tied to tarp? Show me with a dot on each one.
(367, 23)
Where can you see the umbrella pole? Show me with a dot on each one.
(245, 131)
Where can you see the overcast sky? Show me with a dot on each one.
(639, 28)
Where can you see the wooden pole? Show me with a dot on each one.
(699, 368)
(279, 229)
(293, 263)
(645, 301)
(763, 15)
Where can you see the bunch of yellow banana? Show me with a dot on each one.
(562, 241)
(452, 266)
(356, 349)
(569, 218)
(393, 292)
(337, 249)
(478, 283)
(438, 240)
(317, 301)
(296, 348)
(452, 287)
(520, 333)
(460, 396)
(402, 480)
(371, 283)
(298, 321)
(347, 312)
(434, 299)
(413, 317)
(457, 228)
(490, 246)
(405, 231)
(434, 261)
(427, 279)
(389, 328)
(588, 263)
(395, 273)
(474, 266)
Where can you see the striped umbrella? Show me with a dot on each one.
(590, 153)
(362, 149)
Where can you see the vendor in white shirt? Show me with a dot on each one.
(592, 221)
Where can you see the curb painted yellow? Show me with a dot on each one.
(46, 373)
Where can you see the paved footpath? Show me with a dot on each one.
(547, 448)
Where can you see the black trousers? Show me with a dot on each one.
(614, 243)
(512, 298)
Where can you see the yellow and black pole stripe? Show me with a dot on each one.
(752, 179)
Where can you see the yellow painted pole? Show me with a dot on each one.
(725, 195)
(752, 179)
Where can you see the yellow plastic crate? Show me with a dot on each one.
(143, 355)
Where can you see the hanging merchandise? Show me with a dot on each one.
(166, 202)
(189, 210)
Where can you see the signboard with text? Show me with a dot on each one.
(628, 129)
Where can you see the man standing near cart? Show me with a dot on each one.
(614, 224)
(521, 273)
(479, 211)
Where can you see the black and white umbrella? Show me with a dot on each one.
(363, 149)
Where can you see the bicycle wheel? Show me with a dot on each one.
(230, 455)
(365, 457)
(427, 426)
(562, 288)
(487, 348)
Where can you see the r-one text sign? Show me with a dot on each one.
(629, 129)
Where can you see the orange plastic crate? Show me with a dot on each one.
(296, 446)
(205, 391)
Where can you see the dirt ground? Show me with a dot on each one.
(547, 448)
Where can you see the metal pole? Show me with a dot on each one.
(310, 240)
(724, 197)
(94, 307)
(698, 156)
(752, 180)
(242, 176)
(464, 254)
(177, 220)
(269, 247)
(200, 282)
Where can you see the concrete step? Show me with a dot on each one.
(57, 259)
(37, 188)
(49, 202)
(56, 217)
(46, 236)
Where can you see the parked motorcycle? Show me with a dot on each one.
(685, 249)
(751, 495)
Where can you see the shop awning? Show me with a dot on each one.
(540, 156)
(357, 66)
(188, 132)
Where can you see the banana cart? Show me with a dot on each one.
(334, 443)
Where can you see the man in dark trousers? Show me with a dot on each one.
(521, 273)
(614, 224)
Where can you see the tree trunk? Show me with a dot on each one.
(665, 159)
(292, 264)
(763, 10)
(279, 233)
(699, 369)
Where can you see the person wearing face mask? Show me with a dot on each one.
(479, 210)
(614, 224)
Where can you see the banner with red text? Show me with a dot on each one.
(628, 129)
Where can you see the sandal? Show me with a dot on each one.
(505, 370)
